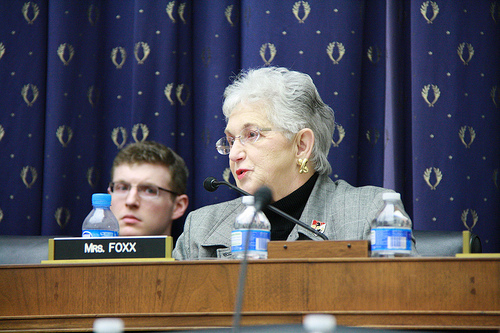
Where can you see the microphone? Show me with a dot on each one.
(211, 184)
(263, 198)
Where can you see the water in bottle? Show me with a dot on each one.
(255, 225)
(391, 229)
(100, 222)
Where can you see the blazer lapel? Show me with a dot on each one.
(220, 234)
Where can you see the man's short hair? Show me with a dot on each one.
(151, 152)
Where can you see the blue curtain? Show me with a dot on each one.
(415, 86)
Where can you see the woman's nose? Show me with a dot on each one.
(237, 151)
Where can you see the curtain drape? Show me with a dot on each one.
(415, 86)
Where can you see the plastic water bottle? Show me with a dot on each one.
(391, 229)
(253, 224)
(100, 222)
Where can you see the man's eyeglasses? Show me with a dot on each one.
(250, 135)
(144, 191)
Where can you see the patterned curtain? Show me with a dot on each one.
(415, 86)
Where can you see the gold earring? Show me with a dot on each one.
(303, 165)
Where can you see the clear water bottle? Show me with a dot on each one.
(100, 222)
(391, 229)
(254, 225)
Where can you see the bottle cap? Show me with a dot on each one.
(391, 196)
(248, 200)
(108, 325)
(319, 322)
(101, 199)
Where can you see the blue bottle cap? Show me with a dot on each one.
(101, 199)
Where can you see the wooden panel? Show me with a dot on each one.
(377, 292)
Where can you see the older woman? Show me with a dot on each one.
(278, 134)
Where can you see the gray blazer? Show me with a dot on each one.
(346, 210)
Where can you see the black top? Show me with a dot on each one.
(293, 204)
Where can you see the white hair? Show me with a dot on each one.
(293, 104)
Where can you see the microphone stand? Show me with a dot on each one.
(262, 198)
(241, 282)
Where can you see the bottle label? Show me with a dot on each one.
(391, 239)
(99, 233)
(257, 243)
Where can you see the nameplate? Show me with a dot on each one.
(318, 249)
(77, 248)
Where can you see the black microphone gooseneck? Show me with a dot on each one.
(211, 184)
(262, 199)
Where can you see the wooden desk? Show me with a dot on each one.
(393, 293)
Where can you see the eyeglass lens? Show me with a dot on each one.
(250, 135)
(145, 191)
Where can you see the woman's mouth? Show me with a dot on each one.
(240, 173)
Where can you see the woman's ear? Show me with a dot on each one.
(304, 141)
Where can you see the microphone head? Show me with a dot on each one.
(263, 197)
(210, 184)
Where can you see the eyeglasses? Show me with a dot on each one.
(144, 191)
(250, 135)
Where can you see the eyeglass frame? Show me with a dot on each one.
(219, 146)
(112, 184)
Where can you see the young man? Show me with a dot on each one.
(148, 189)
